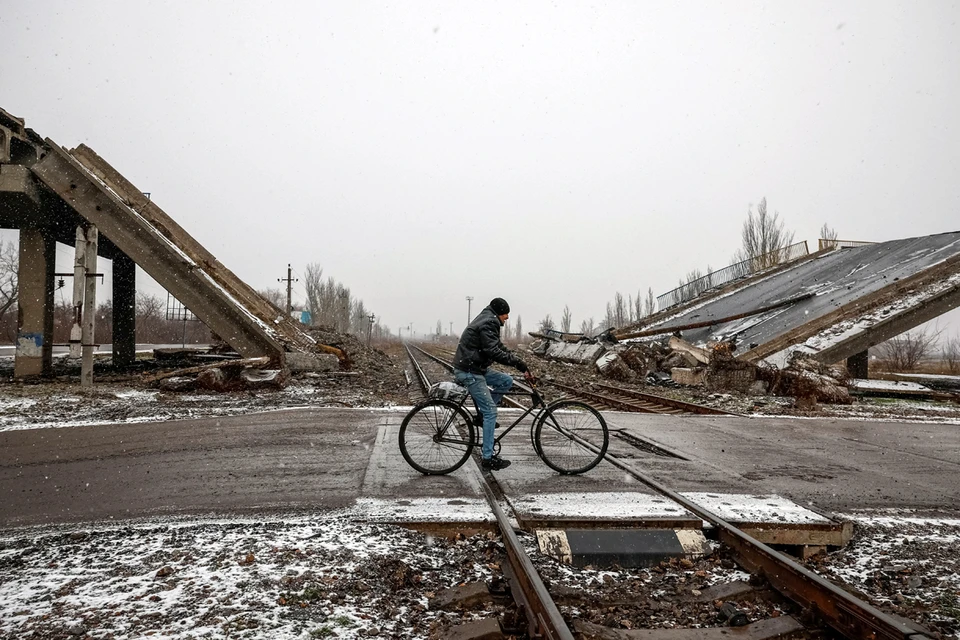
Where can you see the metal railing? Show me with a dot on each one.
(742, 269)
(841, 244)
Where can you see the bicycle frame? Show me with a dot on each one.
(537, 406)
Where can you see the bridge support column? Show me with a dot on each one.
(34, 349)
(89, 313)
(858, 365)
(124, 310)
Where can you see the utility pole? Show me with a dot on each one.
(451, 328)
(289, 280)
(469, 300)
(371, 318)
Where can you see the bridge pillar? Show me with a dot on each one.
(124, 310)
(34, 349)
(858, 365)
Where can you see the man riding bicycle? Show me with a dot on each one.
(480, 347)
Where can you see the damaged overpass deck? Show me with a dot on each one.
(832, 305)
(48, 192)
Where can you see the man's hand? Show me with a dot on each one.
(529, 377)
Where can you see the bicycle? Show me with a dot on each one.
(438, 435)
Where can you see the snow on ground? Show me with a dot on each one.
(887, 385)
(333, 575)
(304, 577)
(904, 562)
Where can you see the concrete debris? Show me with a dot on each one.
(574, 353)
(236, 364)
(297, 362)
(714, 366)
(808, 381)
(611, 365)
(683, 347)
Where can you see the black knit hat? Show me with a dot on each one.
(499, 306)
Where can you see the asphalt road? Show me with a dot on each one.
(306, 460)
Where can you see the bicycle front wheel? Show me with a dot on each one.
(437, 437)
(571, 437)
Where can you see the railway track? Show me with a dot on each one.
(623, 399)
(530, 594)
(828, 603)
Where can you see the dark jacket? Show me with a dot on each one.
(480, 346)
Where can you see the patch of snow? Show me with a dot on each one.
(887, 385)
(755, 508)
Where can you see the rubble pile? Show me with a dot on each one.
(713, 368)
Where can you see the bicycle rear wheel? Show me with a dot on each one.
(436, 437)
(571, 437)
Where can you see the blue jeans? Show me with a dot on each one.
(486, 398)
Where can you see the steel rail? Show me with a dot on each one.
(836, 608)
(544, 619)
(623, 404)
(670, 402)
(421, 375)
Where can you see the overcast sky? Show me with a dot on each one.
(549, 153)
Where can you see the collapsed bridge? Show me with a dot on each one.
(75, 197)
(831, 305)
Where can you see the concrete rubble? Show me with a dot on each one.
(714, 367)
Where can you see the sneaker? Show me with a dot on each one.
(496, 463)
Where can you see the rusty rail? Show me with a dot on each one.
(637, 402)
(533, 600)
(838, 609)
(417, 369)
(850, 616)
(686, 407)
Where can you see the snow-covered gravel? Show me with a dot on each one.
(292, 578)
(333, 576)
(906, 563)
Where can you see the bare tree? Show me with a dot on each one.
(951, 354)
(439, 328)
(906, 351)
(519, 328)
(566, 319)
(276, 297)
(9, 261)
(650, 305)
(764, 238)
(620, 316)
(546, 324)
(637, 310)
(828, 237)
(609, 320)
(150, 318)
(587, 327)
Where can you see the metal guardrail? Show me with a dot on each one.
(736, 271)
(825, 244)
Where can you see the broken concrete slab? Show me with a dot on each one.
(740, 379)
(699, 354)
(578, 353)
(689, 377)
(611, 365)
